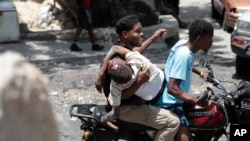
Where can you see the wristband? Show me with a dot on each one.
(201, 74)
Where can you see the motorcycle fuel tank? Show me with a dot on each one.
(207, 119)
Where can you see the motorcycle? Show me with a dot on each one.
(205, 124)
(233, 109)
(95, 130)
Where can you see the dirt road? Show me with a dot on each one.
(74, 82)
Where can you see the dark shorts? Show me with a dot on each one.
(166, 11)
(85, 19)
(178, 110)
(175, 4)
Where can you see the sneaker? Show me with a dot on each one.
(97, 47)
(74, 47)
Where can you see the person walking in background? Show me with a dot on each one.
(173, 9)
(174, 4)
(85, 21)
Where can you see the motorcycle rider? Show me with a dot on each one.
(130, 31)
(124, 74)
(178, 72)
(178, 109)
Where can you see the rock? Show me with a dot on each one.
(150, 3)
(168, 22)
(45, 16)
(25, 110)
(108, 12)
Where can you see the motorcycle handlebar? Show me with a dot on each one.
(211, 77)
(216, 82)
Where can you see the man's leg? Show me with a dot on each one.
(91, 35)
(175, 4)
(74, 46)
(77, 34)
(92, 40)
(180, 22)
(79, 28)
(182, 134)
(88, 15)
(165, 121)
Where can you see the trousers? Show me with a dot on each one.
(166, 122)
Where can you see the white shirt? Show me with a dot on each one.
(148, 90)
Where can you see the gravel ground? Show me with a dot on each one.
(72, 81)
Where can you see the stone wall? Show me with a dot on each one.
(61, 14)
(107, 12)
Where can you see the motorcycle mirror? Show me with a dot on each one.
(203, 63)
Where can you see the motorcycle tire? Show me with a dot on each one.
(245, 111)
(202, 135)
